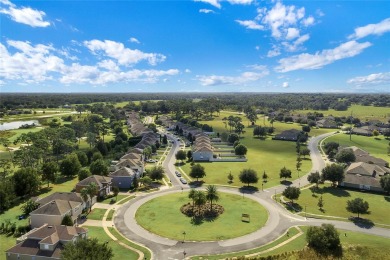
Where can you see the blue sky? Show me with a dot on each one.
(188, 46)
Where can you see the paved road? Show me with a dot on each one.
(279, 221)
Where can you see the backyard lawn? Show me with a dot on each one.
(162, 216)
(97, 214)
(379, 205)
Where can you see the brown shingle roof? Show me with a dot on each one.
(123, 172)
(97, 179)
(56, 207)
(70, 196)
(366, 169)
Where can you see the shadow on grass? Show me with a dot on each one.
(195, 184)
(285, 182)
(362, 222)
(294, 206)
(334, 191)
(248, 189)
(387, 198)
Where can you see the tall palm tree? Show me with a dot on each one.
(92, 191)
(191, 195)
(200, 199)
(84, 194)
(212, 195)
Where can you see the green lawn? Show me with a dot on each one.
(119, 251)
(125, 200)
(108, 199)
(147, 254)
(379, 204)
(162, 216)
(292, 232)
(6, 242)
(376, 146)
(263, 155)
(97, 214)
(110, 215)
(364, 113)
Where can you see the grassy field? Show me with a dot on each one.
(126, 200)
(108, 199)
(379, 204)
(348, 239)
(6, 242)
(263, 154)
(120, 252)
(376, 146)
(365, 113)
(162, 216)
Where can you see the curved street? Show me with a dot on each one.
(279, 221)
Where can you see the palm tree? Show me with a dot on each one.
(191, 195)
(200, 199)
(84, 194)
(212, 194)
(92, 191)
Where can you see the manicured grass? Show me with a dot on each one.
(110, 215)
(119, 251)
(379, 205)
(108, 199)
(263, 155)
(97, 214)
(292, 232)
(6, 242)
(147, 254)
(376, 146)
(163, 216)
(364, 113)
(125, 200)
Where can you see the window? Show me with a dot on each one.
(46, 246)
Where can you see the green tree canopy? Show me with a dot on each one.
(99, 167)
(156, 173)
(248, 176)
(70, 166)
(292, 193)
(26, 181)
(83, 173)
(212, 195)
(358, 206)
(49, 170)
(87, 249)
(67, 221)
(314, 177)
(29, 206)
(345, 156)
(385, 182)
(181, 155)
(197, 171)
(240, 150)
(334, 173)
(324, 239)
(285, 173)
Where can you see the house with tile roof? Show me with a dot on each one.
(288, 135)
(103, 183)
(123, 177)
(45, 242)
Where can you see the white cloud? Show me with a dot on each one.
(187, 71)
(24, 15)
(285, 84)
(24, 63)
(240, 2)
(372, 79)
(250, 24)
(257, 47)
(124, 56)
(318, 60)
(308, 21)
(296, 45)
(206, 11)
(274, 52)
(245, 77)
(371, 29)
(214, 3)
(292, 33)
(134, 40)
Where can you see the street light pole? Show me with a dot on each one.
(184, 236)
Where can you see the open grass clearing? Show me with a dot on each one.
(110, 214)
(125, 200)
(263, 154)
(162, 216)
(110, 198)
(120, 252)
(376, 146)
(379, 205)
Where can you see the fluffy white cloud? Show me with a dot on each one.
(308, 21)
(240, 2)
(292, 33)
(187, 71)
(206, 11)
(250, 24)
(296, 45)
(371, 29)
(245, 77)
(285, 84)
(134, 40)
(26, 63)
(372, 79)
(24, 15)
(318, 60)
(124, 56)
(212, 2)
(275, 51)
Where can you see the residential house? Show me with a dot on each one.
(123, 177)
(288, 135)
(67, 196)
(202, 150)
(54, 211)
(364, 176)
(361, 131)
(327, 123)
(103, 183)
(45, 242)
(363, 156)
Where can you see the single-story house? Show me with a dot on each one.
(103, 183)
(288, 135)
(45, 242)
(360, 175)
(327, 123)
(361, 131)
(53, 212)
(123, 178)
